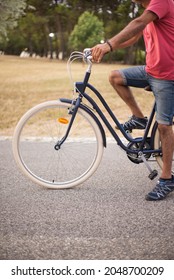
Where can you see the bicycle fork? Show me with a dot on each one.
(72, 111)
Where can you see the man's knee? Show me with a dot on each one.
(164, 129)
(115, 78)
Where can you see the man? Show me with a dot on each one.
(156, 24)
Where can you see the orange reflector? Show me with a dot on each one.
(62, 120)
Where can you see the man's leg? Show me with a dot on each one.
(165, 184)
(167, 141)
(117, 81)
(164, 95)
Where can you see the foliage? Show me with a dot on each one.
(10, 11)
(88, 32)
(75, 24)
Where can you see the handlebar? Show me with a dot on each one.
(87, 55)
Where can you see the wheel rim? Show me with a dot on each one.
(77, 158)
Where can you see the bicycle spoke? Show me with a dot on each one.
(78, 156)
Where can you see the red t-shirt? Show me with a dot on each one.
(159, 40)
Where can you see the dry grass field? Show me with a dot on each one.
(25, 82)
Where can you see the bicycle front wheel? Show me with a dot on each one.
(157, 145)
(35, 138)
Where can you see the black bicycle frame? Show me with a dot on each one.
(81, 87)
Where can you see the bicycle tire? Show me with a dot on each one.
(157, 145)
(35, 137)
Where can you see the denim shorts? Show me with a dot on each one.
(163, 91)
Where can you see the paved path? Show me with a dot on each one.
(106, 218)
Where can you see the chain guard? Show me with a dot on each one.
(134, 157)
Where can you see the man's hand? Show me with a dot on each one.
(99, 51)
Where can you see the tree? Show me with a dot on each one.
(88, 32)
(76, 24)
(10, 11)
(126, 12)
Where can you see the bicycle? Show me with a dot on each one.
(52, 149)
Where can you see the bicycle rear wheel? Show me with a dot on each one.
(157, 145)
(34, 145)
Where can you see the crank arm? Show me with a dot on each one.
(153, 173)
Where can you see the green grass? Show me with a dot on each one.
(26, 82)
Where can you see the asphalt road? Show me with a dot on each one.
(106, 218)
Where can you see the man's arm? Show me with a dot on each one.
(126, 37)
(131, 41)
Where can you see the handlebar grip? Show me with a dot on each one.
(87, 55)
(87, 52)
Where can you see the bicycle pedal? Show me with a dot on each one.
(127, 131)
(153, 174)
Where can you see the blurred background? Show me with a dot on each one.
(53, 28)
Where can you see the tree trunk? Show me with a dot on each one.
(130, 56)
